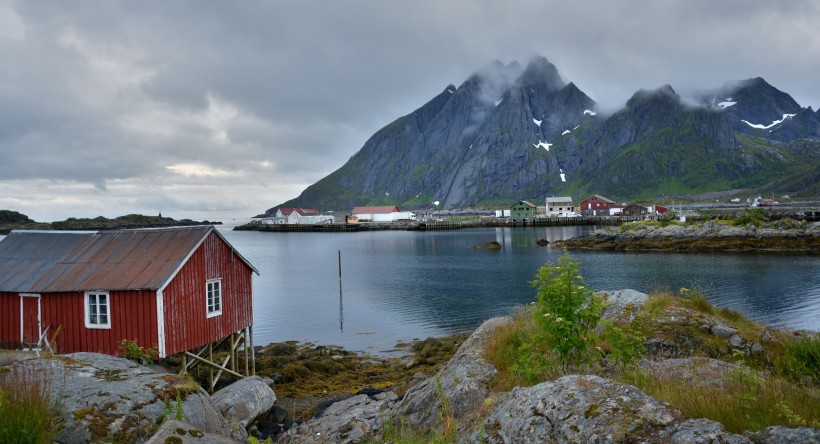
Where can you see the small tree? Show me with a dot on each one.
(566, 309)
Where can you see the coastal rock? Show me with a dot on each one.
(109, 398)
(584, 408)
(722, 331)
(784, 435)
(704, 431)
(180, 432)
(346, 421)
(622, 305)
(699, 370)
(245, 400)
(464, 381)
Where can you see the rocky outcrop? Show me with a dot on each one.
(784, 435)
(245, 400)
(583, 408)
(571, 409)
(464, 382)
(180, 432)
(707, 236)
(104, 398)
(345, 421)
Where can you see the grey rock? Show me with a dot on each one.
(464, 381)
(784, 435)
(104, 397)
(245, 400)
(698, 370)
(185, 433)
(347, 421)
(722, 331)
(577, 409)
(704, 431)
(622, 305)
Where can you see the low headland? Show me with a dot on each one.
(736, 235)
(12, 220)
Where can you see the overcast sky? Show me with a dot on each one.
(214, 109)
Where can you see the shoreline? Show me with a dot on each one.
(784, 236)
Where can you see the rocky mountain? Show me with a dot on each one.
(509, 133)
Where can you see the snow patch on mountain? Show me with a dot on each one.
(537, 122)
(589, 112)
(544, 145)
(776, 122)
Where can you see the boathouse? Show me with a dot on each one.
(178, 290)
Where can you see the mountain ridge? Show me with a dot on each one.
(507, 134)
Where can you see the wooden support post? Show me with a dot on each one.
(245, 345)
(212, 364)
(253, 352)
(184, 365)
(210, 367)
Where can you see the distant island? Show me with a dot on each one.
(11, 220)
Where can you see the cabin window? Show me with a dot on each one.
(213, 290)
(97, 309)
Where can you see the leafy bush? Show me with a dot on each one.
(566, 309)
(754, 216)
(131, 350)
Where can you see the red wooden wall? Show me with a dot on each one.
(9, 319)
(186, 324)
(133, 316)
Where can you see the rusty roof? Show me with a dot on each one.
(376, 210)
(49, 261)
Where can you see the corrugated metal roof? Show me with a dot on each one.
(376, 210)
(41, 262)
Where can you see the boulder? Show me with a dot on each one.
(704, 431)
(577, 409)
(621, 305)
(106, 398)
(584, 408)
(784, 435)
(464, 382)
(180, 432)
(347, 421)
(245, 400)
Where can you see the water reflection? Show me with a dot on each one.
(398, 286)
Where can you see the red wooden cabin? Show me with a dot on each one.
(174, 289)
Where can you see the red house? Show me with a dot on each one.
(175, 289)
(597, 205)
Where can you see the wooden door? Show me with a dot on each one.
(30, 317)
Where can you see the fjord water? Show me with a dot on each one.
(399, 285)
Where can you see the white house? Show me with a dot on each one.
(382, 214)
(304, 216)
(560, 206)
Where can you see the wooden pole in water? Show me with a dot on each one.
(341, 306)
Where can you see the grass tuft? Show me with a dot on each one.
(27, 414)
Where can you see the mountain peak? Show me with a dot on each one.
(665, 93)
(540, 71)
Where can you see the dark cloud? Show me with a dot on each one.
(148, 106)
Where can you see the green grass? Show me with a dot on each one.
(787, 394)
(27, 414)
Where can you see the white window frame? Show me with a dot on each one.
(87, 303)
(213, 304)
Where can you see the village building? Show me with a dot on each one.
(560, 206)
(522, 211)
(296, 216)
(635, 210)
(597, 205)
(176, 290)
(386, 213)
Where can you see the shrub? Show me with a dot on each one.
(131, 350)
(566, 309)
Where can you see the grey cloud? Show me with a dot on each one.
(101, 91)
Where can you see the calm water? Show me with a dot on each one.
(398, 285)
